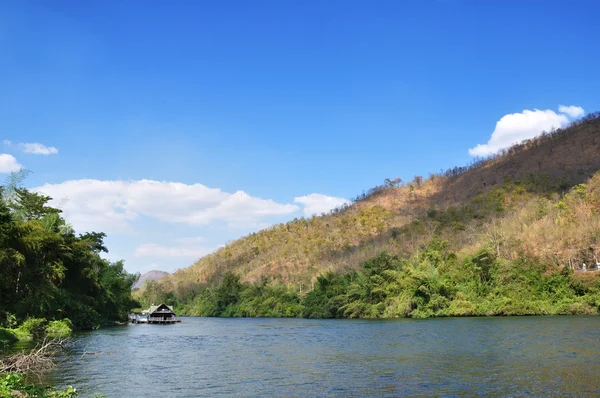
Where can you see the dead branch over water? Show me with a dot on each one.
(37, 361)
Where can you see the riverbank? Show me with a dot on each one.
(433, 283)
(36, 328)
(15, 385)
(21, 371)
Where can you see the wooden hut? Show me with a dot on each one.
(162, 313)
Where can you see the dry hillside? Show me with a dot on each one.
(454, 205)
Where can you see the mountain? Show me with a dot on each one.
(508, 202)
(149, 276)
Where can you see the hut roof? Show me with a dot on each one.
(154, 308)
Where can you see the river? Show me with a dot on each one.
(208, 357)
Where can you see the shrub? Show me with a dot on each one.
(62, 328)
(13, 385)
(32, 327)
(7, 336)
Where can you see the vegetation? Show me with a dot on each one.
(14, 385)
(31, 328)
(432, 283)
(298, 251)
(52, 281)
(59, 329)
(50, 273)
(15, 369)
(7, 336)
(505, 235)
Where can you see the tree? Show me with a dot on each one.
(31, 205)
(95, 241)
(228, 292)
(49, 272)
(391, 183)
(418, 181)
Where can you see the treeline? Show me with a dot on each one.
(50, 272)
(432, 283)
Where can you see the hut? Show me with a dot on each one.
(162, 313)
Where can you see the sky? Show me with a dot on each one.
(176, 127)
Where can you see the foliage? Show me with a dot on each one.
(7, 336)
(232, 298)
(154, 293)
(14, 385)
(37, 328)
(504, 264)
(431, 283)
(50, 272)
(31, 328)
(470, 207)
(60, 328)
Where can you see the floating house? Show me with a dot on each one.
(162, 314)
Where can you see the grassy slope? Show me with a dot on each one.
(470, 207)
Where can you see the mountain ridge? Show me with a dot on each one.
(153, 275)
(298, 251)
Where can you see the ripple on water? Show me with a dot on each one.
(203, 357)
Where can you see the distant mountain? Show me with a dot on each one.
(150, 276)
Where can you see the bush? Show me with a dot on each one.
(84, 316)
(62, 328)
(7, 336)
(34, 328)
(31, 328)
(13, 385)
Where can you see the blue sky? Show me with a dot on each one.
(275, 99)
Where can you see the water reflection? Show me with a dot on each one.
(537, 356)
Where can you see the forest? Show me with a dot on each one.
(53, 279)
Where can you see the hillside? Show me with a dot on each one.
(513, 202)
(153, 275)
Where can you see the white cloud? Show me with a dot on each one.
(8, 163)
(571, 111)
(39, 149)
(133, 212)
(34, 148)
(107, 205)
(516, 127)
(154, 250)
(316, 203)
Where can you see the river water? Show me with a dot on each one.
(208, 357)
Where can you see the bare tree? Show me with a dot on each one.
(495, 234)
